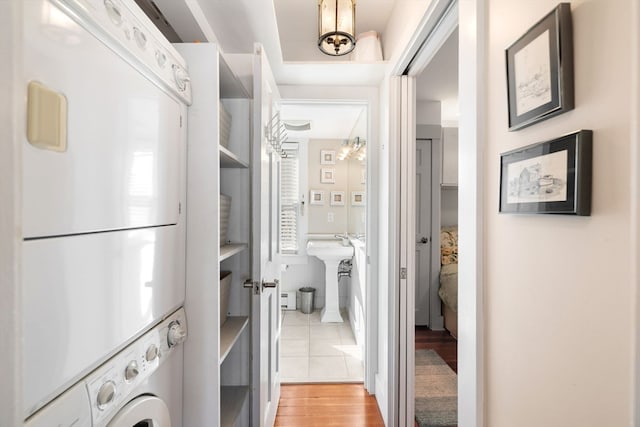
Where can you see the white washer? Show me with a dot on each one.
(141, 386)
(103, 166)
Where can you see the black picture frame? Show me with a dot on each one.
(548, 177)
(540, 74)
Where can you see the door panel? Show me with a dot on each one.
(265, 268)
(423, 230)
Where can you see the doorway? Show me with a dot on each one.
(439, 22)
(323, 183)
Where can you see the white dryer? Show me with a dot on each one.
(103, 167)
(141, 386)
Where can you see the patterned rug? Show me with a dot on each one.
(436, 391)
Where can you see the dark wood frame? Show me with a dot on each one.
(558, 23)
(578, 180)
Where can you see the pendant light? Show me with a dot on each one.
(336, 26)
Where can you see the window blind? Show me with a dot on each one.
(289, 200)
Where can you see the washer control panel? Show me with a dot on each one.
(110, 385)
(123, 27)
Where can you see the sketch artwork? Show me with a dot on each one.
(539, 179)
(533, 75)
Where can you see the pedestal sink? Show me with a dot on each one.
(331, 252)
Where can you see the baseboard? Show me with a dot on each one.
(381, 397)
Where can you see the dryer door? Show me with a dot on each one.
(144, 411)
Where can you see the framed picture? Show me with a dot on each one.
(357, 198)
(327, 176)
(540, 70)
(327, 157)
(548, 177)
(316, 197)
(337, 198)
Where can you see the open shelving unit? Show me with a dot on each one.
(217, 393)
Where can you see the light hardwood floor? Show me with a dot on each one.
(310, 405)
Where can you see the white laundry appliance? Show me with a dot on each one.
(103, 187)
(141, 386)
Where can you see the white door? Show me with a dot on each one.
(265, 271)
(423, 230)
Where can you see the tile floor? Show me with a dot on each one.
(312, 351)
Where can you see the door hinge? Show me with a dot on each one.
(179, 208)
(180, 121)
(403, 273)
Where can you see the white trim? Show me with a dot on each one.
(472, 59)
(429, 23)
(393, 277)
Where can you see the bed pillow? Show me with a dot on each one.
(449, 245)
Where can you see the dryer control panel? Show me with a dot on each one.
(110, 385)
(107, 388)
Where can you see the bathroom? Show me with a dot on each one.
(326, 166)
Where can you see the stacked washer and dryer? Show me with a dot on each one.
(103, 217)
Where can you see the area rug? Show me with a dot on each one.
(436, 391)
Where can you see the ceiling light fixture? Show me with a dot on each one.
(336, 26)
(356, 147)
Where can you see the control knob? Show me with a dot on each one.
(181, 77)
(131, 371)
(113, 12)
(176, 334)
(106, 394)
(152, 353)
(141, 39)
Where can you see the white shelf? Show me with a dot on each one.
(230, 332)
(231, 401)
(230, 160)
(230, 250)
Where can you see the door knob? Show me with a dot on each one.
(424, 240)
(270, 284)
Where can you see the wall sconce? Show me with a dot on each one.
(336, 26)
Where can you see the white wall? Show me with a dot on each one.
(11, 107)
(558, 289)
(428, 113)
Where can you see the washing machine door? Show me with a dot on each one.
(144, 411)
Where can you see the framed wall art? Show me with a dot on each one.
(357, 198)
(327, 176)
(316, 197)
(540, 70)
(327, 157)
(337, 198)
(548, 177)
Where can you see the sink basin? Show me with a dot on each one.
(329, 249)
(331, 252)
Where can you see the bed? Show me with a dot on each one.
(448, 290)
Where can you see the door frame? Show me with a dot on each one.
(438, 22)
(368, 97)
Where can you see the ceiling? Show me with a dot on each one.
(297, 22)
(287, 29)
